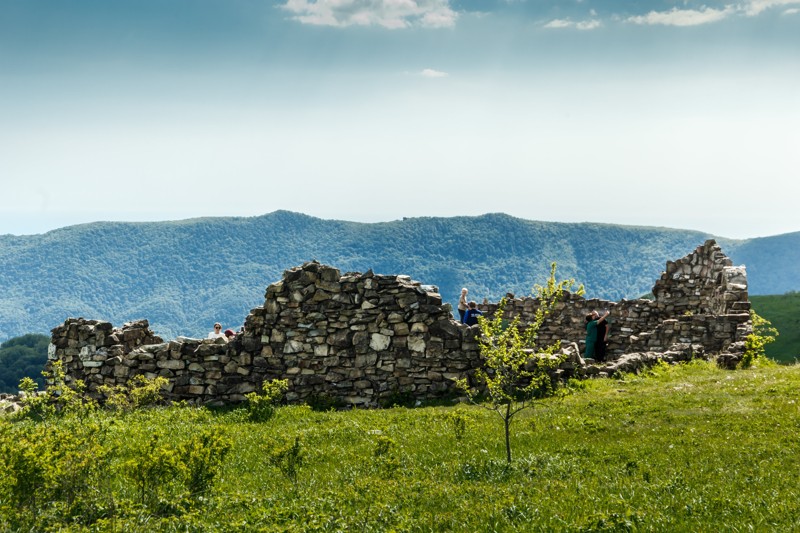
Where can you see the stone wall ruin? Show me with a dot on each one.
(360, 339)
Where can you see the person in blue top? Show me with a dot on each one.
(592, 319)
(472, 314)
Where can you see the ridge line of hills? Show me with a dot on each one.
(184, 275)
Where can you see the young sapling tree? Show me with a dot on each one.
(517, 369)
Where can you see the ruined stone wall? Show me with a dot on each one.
(701, 299)
(358, 338)
(362, 338)
(87, 344)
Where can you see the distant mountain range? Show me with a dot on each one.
(185, 275)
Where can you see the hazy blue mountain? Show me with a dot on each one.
(185, 275)
(773, 263)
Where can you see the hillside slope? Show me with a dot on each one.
(185, 275)
(783, 312)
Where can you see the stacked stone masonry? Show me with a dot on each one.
(362, 338)
(700, 300)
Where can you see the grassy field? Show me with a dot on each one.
(784, 312)
(684, 448)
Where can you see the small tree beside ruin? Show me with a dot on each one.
(755, 343)
(516, 370)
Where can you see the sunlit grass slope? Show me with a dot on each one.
(688, 448)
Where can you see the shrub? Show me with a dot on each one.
(458, 421)
(200, 458)
(58, 399)
(139, 392)
(168, 478)
(755, 343)
(53, 469)
(261, 407)
(152, 470)
(288, 458)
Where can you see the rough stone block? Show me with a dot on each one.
(379, 342)
(416, 343)
(171, 364)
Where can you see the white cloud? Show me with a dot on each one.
(588, 24)
(431, 73)
(755, 7)
(559, 23)
(566, 23)
(683, 17)
(391, 14)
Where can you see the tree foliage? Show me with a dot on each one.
(20, 357)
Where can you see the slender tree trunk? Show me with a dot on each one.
(507, 420)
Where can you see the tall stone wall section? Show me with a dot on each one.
(362, 338)
(357, 338)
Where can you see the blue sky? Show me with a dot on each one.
(661, 113)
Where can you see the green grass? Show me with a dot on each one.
(684, 448)
(784, 313)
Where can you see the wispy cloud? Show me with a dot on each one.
(791, 11)
(708, 15)
(580, 25)
(431, 73)
(756, 7)
(683, 17)
(391, 14)
(559, 23)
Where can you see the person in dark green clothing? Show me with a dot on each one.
(592, 319)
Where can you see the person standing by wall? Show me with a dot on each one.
(602, 339)
(592, 319)
(462, 304)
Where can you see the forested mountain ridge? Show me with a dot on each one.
(184, 275)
